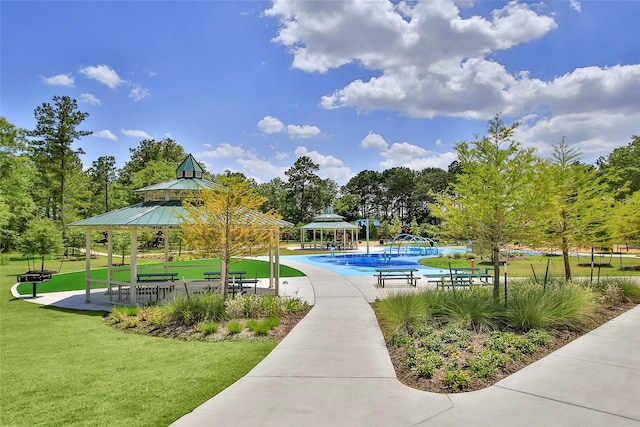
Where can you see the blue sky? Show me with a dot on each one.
(250, 86)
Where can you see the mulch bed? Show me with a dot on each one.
(437, 385)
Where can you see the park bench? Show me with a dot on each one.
(384, 274)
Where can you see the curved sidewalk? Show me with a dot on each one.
(333, 369)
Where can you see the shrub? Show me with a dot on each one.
(627, 287)
(207, 328)
(507, 342)
(234, 327)
(538, 338)
(133, 310)
(234, 308)
(457, 379)
(401, 311)
(399, 339)
(486, 364)
(263, 327)
(197, 308)
(155, 315)
(118, 314)
(560, 305)
(427, 363)
(473, 309)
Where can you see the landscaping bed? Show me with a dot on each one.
(209, 318)
(437, 383)
(459, 341)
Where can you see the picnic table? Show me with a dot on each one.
(156, 277)
(237, 280)
(391, 273)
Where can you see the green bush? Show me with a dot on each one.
(486, 364)
(427, 363)
(118, 314)
(538, 338)
(207, 328)
(399, 339)
(156, 315)
(457, 379)
(133, 310)
(196, 308)
(472, 309)
(262, 327)
(561, 305)
(401, 311)
(234, 327)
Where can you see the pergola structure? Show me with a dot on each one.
(331, 223)
(162, 209)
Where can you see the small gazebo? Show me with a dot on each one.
(161, 209)
(333, 225)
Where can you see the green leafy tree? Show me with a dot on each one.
(399, 183)
(55, 132)
(17, 182)
(622, 168)
(121, 241)
(500, 197)
(367, 186)
(103, 174)
(578, 199)
(43, 237)
(275, 194)
(225, 222)
(302, 180)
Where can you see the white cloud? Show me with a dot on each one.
(206, 145)
(575, 5)
(59, 80)
(260, 169)
(425, 60)
(106, 134)
(281, 156)
(373, 140)
(135, 133)
(103, 74)
(302, 131)
(415, 157)
(138, 93)
(269, 125)
(224, 150)
(330, 166)
(90, 99)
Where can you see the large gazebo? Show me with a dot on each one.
(162, 209)
(331, 224)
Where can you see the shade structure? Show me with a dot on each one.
(162, 209)
(327, 224)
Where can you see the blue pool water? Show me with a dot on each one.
(371, 260)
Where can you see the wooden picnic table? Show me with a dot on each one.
(396, 273)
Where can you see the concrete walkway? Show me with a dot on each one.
(333, 369)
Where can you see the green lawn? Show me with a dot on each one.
(522, 267)
(188, 269)
(60, 367)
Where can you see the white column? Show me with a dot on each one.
(165, 235)
(134, 266)
(87, 265)
(109, 255)
(277, 266)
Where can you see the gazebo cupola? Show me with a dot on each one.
(189, 178)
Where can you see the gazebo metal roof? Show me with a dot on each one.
(329, 221)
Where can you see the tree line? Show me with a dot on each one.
(497, 192)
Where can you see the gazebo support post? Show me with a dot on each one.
(109, 256)
(133, 295)
(165, 235)
(277, 275)
(87, 265)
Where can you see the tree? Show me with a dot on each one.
(275, 194)
(55, 132)
(103, 174)
(17, 182)
(499, 197)
(367, 185)
(42, 237)
(121, 241)
(622, 168)
(302, 178)
(577, 195)
(224, 222)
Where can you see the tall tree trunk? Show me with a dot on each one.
(495, 255)
(565, 257)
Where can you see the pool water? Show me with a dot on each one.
(371, 260)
